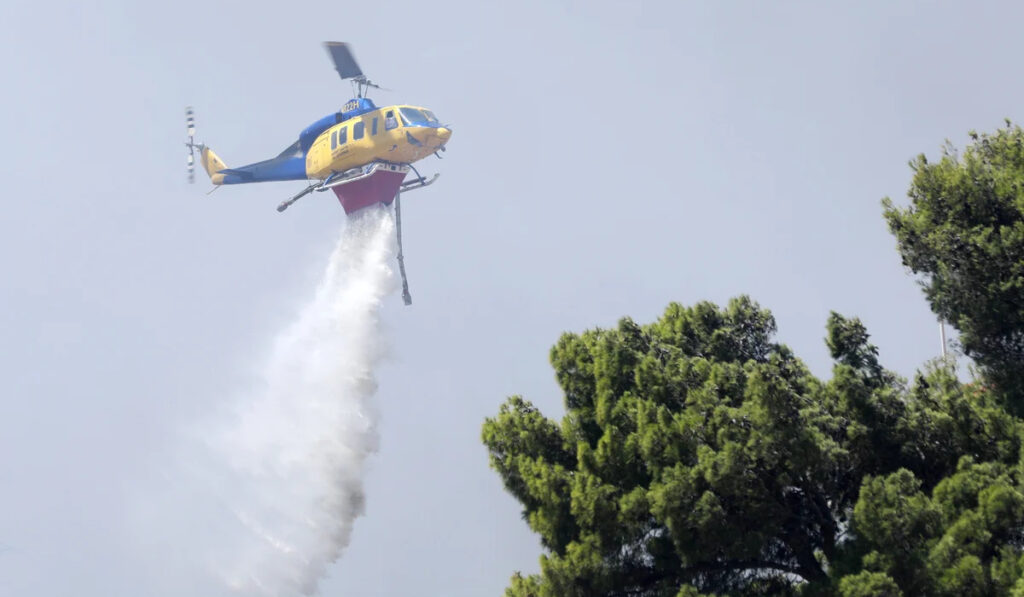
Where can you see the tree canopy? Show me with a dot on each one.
(697, 456)
(964, 233)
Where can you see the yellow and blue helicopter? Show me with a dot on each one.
(363, 153)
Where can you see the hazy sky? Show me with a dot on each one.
(607, 158)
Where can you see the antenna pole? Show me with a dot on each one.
(942, 337)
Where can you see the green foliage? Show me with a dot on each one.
(964, 539)
(964, 231)
(869, 584)
(697, 456)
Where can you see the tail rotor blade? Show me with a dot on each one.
(190, 127)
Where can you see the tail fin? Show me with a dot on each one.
(212, 164)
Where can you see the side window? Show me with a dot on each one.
(389, 121)
(373, 127)
(357, 130)
(342, 135)
(334, 139)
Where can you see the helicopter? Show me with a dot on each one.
(363, 153)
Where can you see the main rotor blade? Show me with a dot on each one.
(376, 86)
(344, 61)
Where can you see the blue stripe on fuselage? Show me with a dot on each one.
(289, 168)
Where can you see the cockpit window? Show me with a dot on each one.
(414, 117)
(430, 117)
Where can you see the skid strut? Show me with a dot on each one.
(406, 297)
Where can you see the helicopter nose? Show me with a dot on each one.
(443, 133)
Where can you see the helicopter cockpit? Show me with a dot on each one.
(418, 117)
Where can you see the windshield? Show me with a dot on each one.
(414, 117)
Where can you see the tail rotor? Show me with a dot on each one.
(190, 125)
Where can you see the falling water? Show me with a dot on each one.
(269, 495)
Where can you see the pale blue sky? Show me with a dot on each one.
(607, 158)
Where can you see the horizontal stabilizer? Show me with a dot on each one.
(241, 173)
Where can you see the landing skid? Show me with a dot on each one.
(350, 176)
(412, 185)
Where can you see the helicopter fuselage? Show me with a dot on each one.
(394, 134)
(359, 135)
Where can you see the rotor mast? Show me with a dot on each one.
(361, 84)
(345, 63)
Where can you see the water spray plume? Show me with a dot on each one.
(271, 496)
